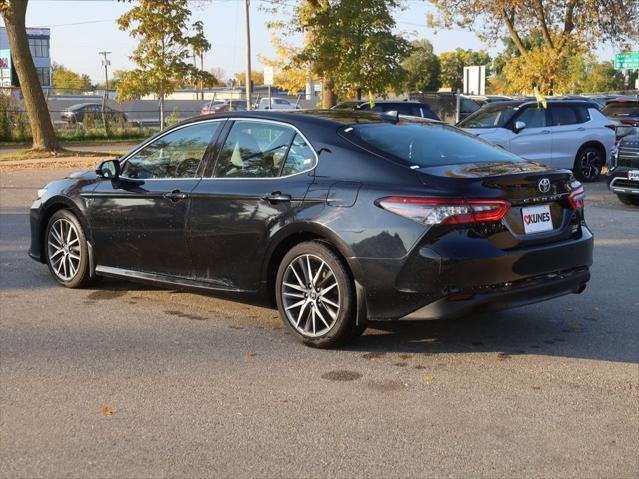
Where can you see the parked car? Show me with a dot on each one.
(568, 134)
(485, 99)
(220, 106)
(623, 176)
(405, 108)
(624, 113)
(276, 104)
(444, 105)
(337, 218)
(78, 113)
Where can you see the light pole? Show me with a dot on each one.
(105, 64)
(248, 54)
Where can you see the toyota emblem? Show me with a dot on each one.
(544, 185)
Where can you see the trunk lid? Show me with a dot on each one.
(533, 190)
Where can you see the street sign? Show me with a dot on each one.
(627, 61)
(268, 75)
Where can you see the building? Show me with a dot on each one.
(39, 43)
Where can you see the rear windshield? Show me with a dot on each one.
(620, 110)
(493, 116)
(423, 144)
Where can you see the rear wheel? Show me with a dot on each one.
(67, 251)
(316, 296)
(630, 200)
(588, 164)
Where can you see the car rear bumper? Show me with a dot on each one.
(452, 278)
(506, 295)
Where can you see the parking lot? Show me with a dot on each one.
(129, 381)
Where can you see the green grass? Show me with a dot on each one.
(39, 155)
(92, 136)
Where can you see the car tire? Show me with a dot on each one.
(319, 307)
(588, 164)
(66, 251)
(629, 200)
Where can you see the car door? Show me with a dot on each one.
(139, 220)
(263, 171)
(567, 134)
(534, 142)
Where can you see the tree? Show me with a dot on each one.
(69, 81)
(562, 25)
(256, 77)
(114, 80)
(452, 65)
(13, 13)
(163, 52)
(422, 68)
(200, 46)
(601, 77)
(349, 44)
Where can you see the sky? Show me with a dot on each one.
(82, 28)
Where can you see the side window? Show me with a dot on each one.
(583, 115)
(253, 150)
(533, 117)
(300, 157)
(563, 115)
(174, 155)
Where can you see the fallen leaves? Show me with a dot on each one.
(107, 411)
(427, 378)
(250, 354)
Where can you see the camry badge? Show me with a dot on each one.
(544, 185)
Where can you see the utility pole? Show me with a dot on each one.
(248, 54)
(105, 64)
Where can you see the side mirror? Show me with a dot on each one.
(109, 170)
(519, 125)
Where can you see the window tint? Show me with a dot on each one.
(533, 117)
(425, 144)
(254, 150)
(300, 157)
(621, 110)
(583, 115)
(563, 115)
(174, 155)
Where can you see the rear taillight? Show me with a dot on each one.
(612, 127)
(630, 122)
(433, 211)
(576, 198)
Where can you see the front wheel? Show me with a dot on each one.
(588, 164)
(67, 251)
(316, 296)
(629, 200)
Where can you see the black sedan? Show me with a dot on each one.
(80, 112)
(339, 218)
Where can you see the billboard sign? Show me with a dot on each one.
(5, 68)
(475, 80)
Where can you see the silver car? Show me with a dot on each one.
(567, 134)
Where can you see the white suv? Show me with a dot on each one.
(567, 134)
(277, 104)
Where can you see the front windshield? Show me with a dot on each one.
(425, 144)
(489, 117)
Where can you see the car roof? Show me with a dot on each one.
(320, 118)
(78, 106)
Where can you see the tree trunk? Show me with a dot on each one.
(13, 13)
(329, 98)
(359, 94)
(161, 109)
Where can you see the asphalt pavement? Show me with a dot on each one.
(129, 381)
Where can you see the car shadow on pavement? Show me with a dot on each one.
(507, 333)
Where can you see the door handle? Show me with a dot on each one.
(175, 196)
(581, 128)
(277, 197)
(545, 132)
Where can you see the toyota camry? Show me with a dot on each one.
(337, 218)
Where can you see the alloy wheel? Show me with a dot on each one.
(310, 295)
(590, 164)
(63, 246)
